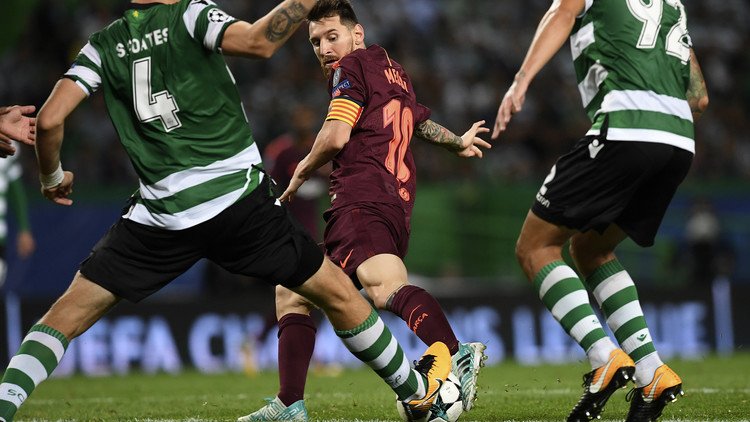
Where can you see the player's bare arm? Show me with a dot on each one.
(551, 34)
(56, 183)
(265, 36)
(331, 139)
(464, 146)
(697, 95)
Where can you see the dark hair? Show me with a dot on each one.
(330, 8)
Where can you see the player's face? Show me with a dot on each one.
(332, 40)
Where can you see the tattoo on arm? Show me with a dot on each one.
(436, 134)
(285, 21)
(697, 87)
(696, 92)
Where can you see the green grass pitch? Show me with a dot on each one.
(717, 389)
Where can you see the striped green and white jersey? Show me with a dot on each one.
(10, 172)
(631, 62)
(176, 109)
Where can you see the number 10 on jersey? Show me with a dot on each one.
(402, 124)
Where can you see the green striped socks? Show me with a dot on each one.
(38, 356)
(565, 296)
(372, 343)
(617, 296)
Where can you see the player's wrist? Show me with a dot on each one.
(53, 179)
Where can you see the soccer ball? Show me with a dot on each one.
(448, 405)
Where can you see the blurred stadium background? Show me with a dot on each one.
(462, 56)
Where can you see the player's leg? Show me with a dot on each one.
(369, 241)
(362, 331)
(616, 293)
(612, 286)
(539, 251)
(296, 344)
(43, 347)
(384, 278)
(272, 247)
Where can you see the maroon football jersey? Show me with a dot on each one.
(374, 94)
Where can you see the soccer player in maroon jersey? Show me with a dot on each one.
(371, 118)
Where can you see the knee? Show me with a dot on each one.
(379, 297)
(333, 290)
(588, 256)
(523, 252)
(380, 292)
(288, 302)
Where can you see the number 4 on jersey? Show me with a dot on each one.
(151, 106)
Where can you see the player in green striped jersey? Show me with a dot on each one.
(203, 193)
(642, 88)
(12, 193)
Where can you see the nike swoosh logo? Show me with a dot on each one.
(650, 396)
(597, 386)
(434, 393)
(594, 147)
(425, 402)
(343, 263)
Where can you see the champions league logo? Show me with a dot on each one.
(217, 16)
(336, 77)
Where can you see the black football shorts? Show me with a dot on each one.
(601, 182)
(254, 237)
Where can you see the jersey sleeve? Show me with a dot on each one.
(86, 70)
(348, 92)
(206, 23)
(421, 113)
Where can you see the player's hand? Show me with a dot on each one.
(471, 142)
(512, 103)
(14, 125)
(59, 194)
(294, 184)
(25, 244)
(6, 149)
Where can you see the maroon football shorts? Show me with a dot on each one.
(360, 231)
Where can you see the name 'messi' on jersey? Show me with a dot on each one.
(149, 41)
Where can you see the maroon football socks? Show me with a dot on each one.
(296, 344)
(424, 316)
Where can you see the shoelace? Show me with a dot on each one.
(425, 364)
(587, 379)
(269, 410)
(643, 410)
(587, 399)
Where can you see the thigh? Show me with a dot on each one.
(645, 211)
(258, 238)
(356, 233)
(134, 261)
